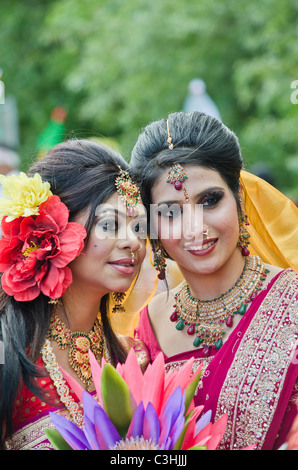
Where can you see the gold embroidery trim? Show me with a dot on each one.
(62, 388)
(256, 377)
(31, 436)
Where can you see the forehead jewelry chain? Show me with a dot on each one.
(171, 146)
(207, 319)
(176, 174)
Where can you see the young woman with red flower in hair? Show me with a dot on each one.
(74, 235)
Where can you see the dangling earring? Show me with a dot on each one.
(55, 301)
(118, 298)
(159, 260)
(243, 234)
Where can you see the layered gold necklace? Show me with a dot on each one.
(208, 319)
(78, 345)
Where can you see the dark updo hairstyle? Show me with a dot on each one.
(82, 173)
(198, 139)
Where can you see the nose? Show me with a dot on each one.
(193, 226)
(129, 240)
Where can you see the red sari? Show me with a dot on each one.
(253, 377)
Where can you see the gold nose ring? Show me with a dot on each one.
(206, 231)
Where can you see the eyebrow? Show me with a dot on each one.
(117, 213)
(107, 211)
(205, 191)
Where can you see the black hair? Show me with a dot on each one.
(82, 173)
(198, 139)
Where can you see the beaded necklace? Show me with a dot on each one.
(207, 319)
(79, 344)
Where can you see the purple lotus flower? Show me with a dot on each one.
(138, 411)
(147, 430)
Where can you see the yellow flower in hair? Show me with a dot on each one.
(22, 195)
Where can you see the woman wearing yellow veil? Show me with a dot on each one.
(236, 306)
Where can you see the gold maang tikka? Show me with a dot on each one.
(171, 146)
(128, 190)
(176, 174)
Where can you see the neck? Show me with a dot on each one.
(81, 310)
(208, 286)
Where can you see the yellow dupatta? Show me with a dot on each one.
(273, 222)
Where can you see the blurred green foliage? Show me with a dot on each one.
(117, 65)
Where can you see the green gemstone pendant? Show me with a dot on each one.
(218, 344)
(180, 325)
(197, 342)
(242, 309)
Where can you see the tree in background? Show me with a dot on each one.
(117, 65)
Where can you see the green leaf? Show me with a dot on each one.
(190, 391)
(180, 439)
(117, 399)
(57, 440)
(198, 448)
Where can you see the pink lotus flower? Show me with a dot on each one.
(140, 411)
(35, 251)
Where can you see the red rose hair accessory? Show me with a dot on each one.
(36, 249)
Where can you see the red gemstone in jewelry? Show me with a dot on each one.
(161, 275)
(178, 185)
(174, 317)
(191, 329)
(229, 321)
(206, 351)
(245, 251)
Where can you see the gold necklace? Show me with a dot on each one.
(79, 344)
(207, 319)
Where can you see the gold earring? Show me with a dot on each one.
(159, 260)
(243, 234)
(118, 298)
(55, 301)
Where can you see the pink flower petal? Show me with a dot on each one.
(153, 388)
(96, 374)
(73, 383)
(181, 378)
(133, 376)
(190, 439)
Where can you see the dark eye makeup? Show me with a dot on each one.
(211, 199)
